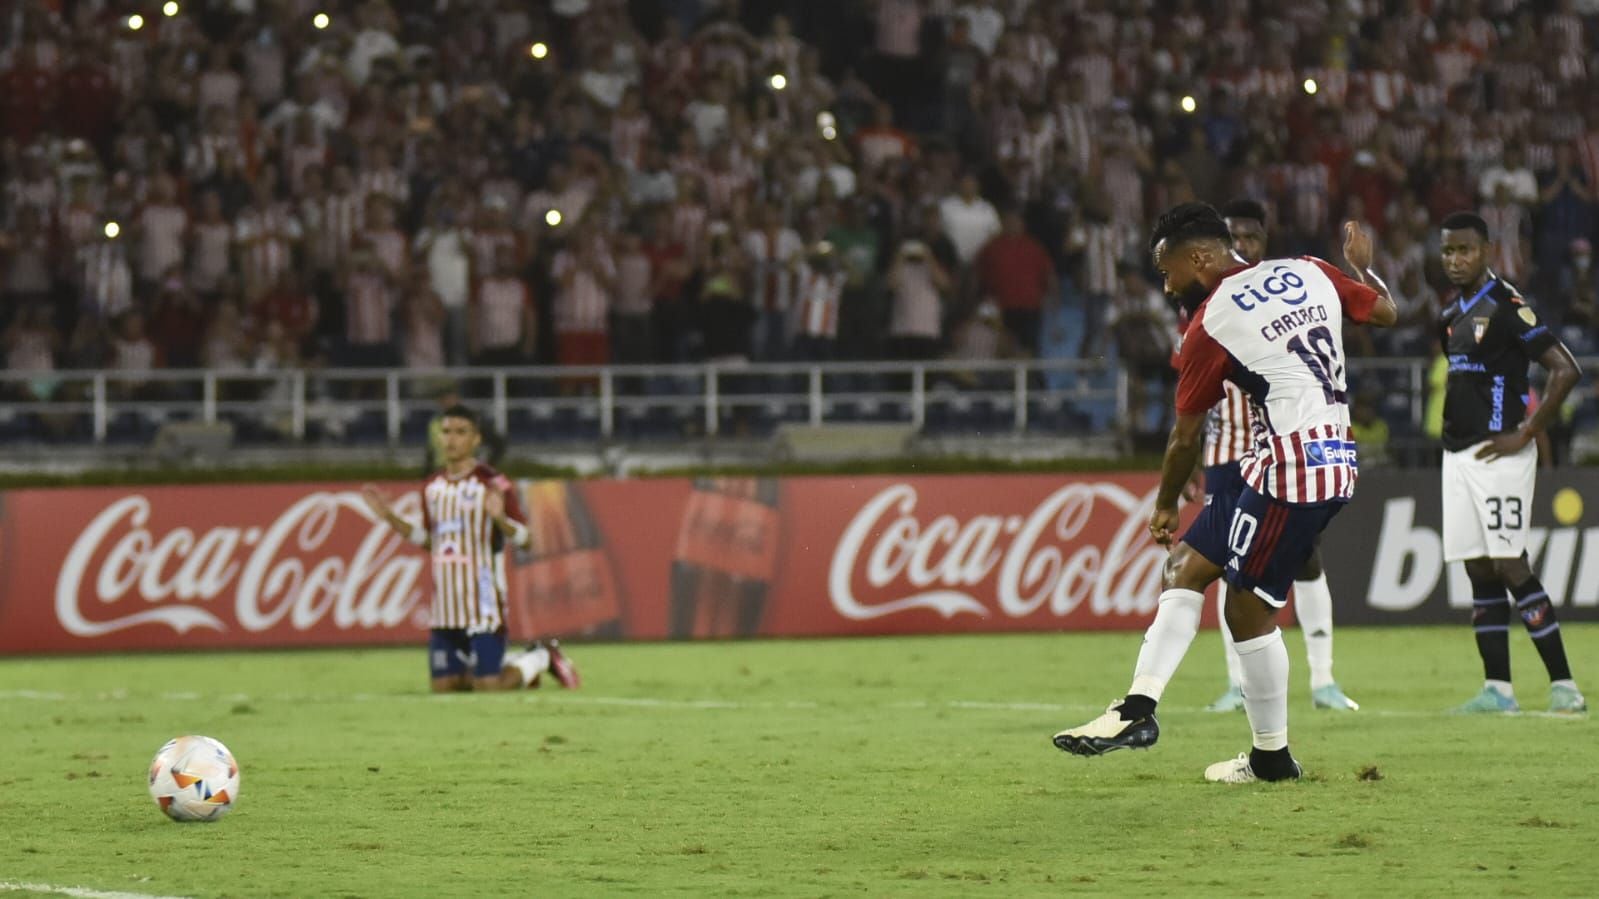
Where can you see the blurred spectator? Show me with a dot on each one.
(630, 319)
(981, 337)
(819, 297)
(443, 249)
(774, 252)
(503, 322)
(725, 316)
(30, 344)
(369, 308)
(1370, 431)
(1575, 303)
(1015, 271)
(918, 284)
(132, 351)
(1142, 323)
(969, 220)
(585, 277)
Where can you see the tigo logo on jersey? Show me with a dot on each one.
(1330, 452)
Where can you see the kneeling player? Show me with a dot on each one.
(469, 510)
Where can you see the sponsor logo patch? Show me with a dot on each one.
(1329, 452)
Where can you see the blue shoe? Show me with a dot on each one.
(1489, 702)
(1566, 700)
(1331, 697)
(1231, 701)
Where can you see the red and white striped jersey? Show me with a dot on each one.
(582, 300)
(467, 549)
(1228, 428)
(500, 303)
(1276, 330)
(368, 309)
(819, 296)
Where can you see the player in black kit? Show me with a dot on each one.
(1489, 335)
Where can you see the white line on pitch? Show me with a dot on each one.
(9, 886)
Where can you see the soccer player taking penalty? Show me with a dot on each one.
(469, 511)
(1275, 329)
(1490, 335)
(1228, 437)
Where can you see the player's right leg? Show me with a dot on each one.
(447, 649)
(1268, 543)
(1314, 607)
(1474, 497)
(1130, 722)
(1490, 624)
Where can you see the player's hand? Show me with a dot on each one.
(1194, 490)
(1357, 246)
(375, 500)
(494, 504)
(1506, 444)
(1163, 525)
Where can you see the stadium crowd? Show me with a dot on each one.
(273, 184)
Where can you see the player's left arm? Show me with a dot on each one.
(1202, 366)
(1183, 448)
(505, 510)
(1563, 375)
(1380, 310)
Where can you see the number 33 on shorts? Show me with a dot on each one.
(1503, 512)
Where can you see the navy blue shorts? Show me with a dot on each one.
(451, 650)
(1260, 544)
(1208, 534)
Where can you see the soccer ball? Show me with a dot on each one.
(194, 779)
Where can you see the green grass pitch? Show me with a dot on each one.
(810, 768)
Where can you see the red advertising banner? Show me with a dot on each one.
(304, 565)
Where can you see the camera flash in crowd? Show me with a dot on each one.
(829, 132)
(135, 22)
(169, 8)
(778, 81)
(112, 229)
(1310, 86)
(320, 21)
(539, 50)
(553, 218)
(1188, 104)
(824, 119)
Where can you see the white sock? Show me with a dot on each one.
(1502, 687)
(531, 664)
(1235, 672)
(1265, 664)
(1166, 641)
(1568, 683)
(1313, 604)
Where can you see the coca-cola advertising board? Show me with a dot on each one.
(278, 566)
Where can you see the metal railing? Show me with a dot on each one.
(1038, 396)
(710, 397)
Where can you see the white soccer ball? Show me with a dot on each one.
(194, 779)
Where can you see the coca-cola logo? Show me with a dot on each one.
(1084, 542)
(291, 571)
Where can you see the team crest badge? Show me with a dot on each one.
(1527, 315)
(1479, 326)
